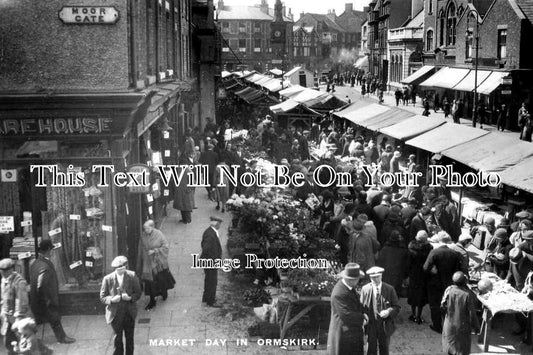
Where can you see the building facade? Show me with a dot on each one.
(247, 37)
(101, 83)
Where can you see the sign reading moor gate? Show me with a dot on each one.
(89, 15)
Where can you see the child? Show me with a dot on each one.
(28, 343)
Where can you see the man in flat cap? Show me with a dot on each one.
(120, 291)
(346, 334)
(211, 249)
(14, 302)
(380, 303)
(44, 292)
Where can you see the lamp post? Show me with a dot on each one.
(468, 32)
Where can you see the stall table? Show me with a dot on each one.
(287, 320)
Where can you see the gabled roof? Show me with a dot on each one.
(527, 8)
(307, 29)
(328, 23)
(417, 21)
(243, 13)
(352, 20)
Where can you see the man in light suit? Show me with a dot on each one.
(211, 249)
(44, 292)
(120, 291)
(380, 303)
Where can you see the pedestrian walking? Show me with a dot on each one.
(346, 334)
(153, 263)
(436, 102)
(44, 292)
(183, 200)
(398, 96)
(210, 159)
(426, 108)
(211, 249)
(481, 113)
(405, 97)
(120, 292)
(14, 304)
(528, 128)
(380, 303)
(446, 107)
(459, 305)
(223, 186)
(417, 296)
(503, 116)
(522, 112)
(413, 96)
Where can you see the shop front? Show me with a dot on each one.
(50, 188)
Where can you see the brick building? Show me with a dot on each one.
(351, 21)
(111, 82)
(503, 28)
(247, 36)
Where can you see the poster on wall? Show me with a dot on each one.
(7, 224)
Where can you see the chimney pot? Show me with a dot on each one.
(348, 7)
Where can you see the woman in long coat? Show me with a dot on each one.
(183, 200)
(153, 263)
(461, 318)
(417, 297)
(394, 258)
(222, 192)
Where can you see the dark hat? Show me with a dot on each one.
(523, 215)
(412, 201)
(500, 233)
(352, 271)
(515, 255)
(6, 264)
(527, 235)
(386, 198)
(424, 211)
(394, 237)
(216, 219)
(358, 225)
(45, 245)
(459, 278)
(119, 261)
(393, 217)
(489, 220)
(504, 222)
(363, 217)
(326, 194)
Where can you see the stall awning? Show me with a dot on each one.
(254, 78)
(386, 119)
(252, 96)
(321, 99)
(364, 113)
(291, 91)
(352, 107)
(412, 127)
(308, 94)
(505, 158)
(519, 176)
(225, 74)
(445, 137)
(467, 84)
(419, 75)
(446, 78)
(244, 91)
(485, 147)
(284, 106)
(361, 62)
(492, 82)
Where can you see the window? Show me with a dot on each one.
(429, 40)
(225, 27)
(364, 31)
(441, 37)
(502, 43)
(233, 27)
(257, 27)
(233, 43)
(430, 6)
(242, 45)
(242, 27)
(257, 45)
(306, 51)
(451, 22)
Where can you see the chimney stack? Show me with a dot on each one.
(302, 14)
(290, 15)
(284, 10)
(264, 7)
(348, 7)
(331, 15)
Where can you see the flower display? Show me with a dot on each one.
(312, 282)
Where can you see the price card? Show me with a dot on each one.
(150, 210)
(155, 187)
(57, 245)
(7, 224)
(75, 217)
(166, 134)
(88, 234)
(89, 263)
(24, 255)
(26, 223)
(167, 153)
(75, 264)
(107, 228)
(54, 231)
(89, 213)
(149, 198)
(86, 193)
(88, 254)
(166, 192)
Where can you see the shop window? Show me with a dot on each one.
(429, 40)
(502, 43)
(441, 32)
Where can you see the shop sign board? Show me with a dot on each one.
(507, 80)
(89, 15)
(7, 224)
(506, 92)
(140, 169)
(55, 126)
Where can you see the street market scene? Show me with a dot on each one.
(297, 177)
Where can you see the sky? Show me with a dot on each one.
(298, 6)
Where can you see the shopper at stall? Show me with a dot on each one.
(459, 304)
(44, 292)
(519, 268)
(211, 249)
(498, 253)
(462, 244)
(418, 223)
(380, 303)
(120, 292)
(304, 145)
(14, 302)
(417, 295)
(153, 263)
(517, 237)
(503, 118)
(363, 249)
(346, 334)
(483, 234)
(381, 212)
(441, 264)
(394, 258)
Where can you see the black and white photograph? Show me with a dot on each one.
(298, 177)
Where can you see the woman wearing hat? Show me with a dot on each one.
(223, 185)
(394, 258)
(417, 297)
(183, 200)
(153, 263)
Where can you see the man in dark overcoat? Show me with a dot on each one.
(210, 158)
(346, 335)
(211, 249)
(380, 303)
(44, 292)
(441, 264)
(120, 292)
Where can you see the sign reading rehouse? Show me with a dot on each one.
(54, 126)
(89, 15)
